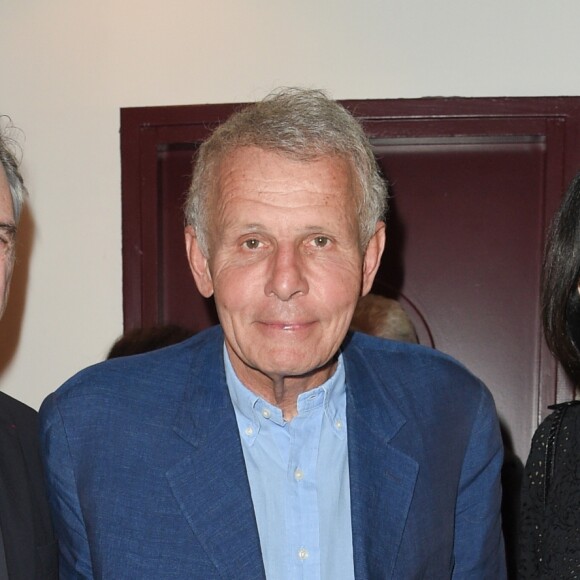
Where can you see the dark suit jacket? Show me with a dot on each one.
(29, 543)
(147, 476)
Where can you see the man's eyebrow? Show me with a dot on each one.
(9, 228)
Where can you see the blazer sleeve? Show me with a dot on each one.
(74, 552)
(478, 548)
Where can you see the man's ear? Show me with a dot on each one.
(372, 257)
(198, 262)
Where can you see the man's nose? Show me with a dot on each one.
(286, 277)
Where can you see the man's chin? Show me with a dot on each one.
(298, 369)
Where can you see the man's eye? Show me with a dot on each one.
(7, 235)
(320, 241)
(252, 244)
(6, 244)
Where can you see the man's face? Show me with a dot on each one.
(285, 263)
(7, 233)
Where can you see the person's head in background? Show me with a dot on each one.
(12, 194)
(560, 296)
(383, 317)
(140, 340)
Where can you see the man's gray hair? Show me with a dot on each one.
(9, 163)
(301, 124)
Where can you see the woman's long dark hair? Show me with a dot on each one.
(561, 270)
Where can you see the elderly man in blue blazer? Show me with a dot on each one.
(278, 445)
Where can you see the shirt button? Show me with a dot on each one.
(338, 424)
(266, 413)
(298, 474)
(249, 431)
(303, 553)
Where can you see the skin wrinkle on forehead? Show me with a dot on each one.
(226, 190)
(225, 174)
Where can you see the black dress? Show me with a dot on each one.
(549, 538)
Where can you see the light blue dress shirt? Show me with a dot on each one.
(298, 474)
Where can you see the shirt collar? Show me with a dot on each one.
(252, 408)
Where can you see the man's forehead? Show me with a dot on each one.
(305, 154)
(6, 209)
(254, 160)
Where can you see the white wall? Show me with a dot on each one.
(68, 66)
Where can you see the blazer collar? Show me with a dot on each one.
(382, 476)
(210, 483)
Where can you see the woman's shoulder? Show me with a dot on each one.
(564, 417)
(554, 441)
(549, 517)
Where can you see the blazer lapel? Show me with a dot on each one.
(382, 477)
(210, 483)
(15, 502)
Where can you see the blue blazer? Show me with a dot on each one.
(147, 478)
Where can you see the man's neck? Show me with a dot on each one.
(281, 390)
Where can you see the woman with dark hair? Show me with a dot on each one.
(550, 513)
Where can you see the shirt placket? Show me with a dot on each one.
(302, 497)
